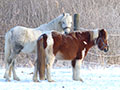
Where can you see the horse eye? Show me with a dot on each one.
(63, 22)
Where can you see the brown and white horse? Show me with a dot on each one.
(73, 46)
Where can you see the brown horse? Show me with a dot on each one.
(73, 46)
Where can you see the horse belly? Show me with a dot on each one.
(29, 48)
(61, 56)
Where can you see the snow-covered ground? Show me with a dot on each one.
(94, 79)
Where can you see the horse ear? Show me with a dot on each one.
(102, 32)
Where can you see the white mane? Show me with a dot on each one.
(51, 24)
(95, 33)
(56, 23)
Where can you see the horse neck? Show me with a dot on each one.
(90, 44)
(52, 25)
(87, 39)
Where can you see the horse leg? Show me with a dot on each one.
(10, 66)
(76, 70)
(49, 63)
(10, 71)
(35, 72)
(9, 62)
(16, 50)
(7, 72)
(15, 77)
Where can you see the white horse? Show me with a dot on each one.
(22, 39)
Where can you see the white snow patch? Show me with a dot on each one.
(94, 79)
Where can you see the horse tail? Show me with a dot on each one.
(7, 49)
(41, 57)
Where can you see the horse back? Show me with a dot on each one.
(65, 46)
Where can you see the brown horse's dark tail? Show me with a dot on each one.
(41, 57)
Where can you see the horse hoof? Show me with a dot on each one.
(4, 77)
(51, 81)
(45, 78)
(35, 80)
(17, 79)
(81, 80)
(7, 80)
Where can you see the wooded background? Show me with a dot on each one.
(93, 14)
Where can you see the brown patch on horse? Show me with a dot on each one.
(41, 45)
(72, 42)
(73, 63)
(64, 43)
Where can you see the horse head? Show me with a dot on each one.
(101, 41)
(66, 22)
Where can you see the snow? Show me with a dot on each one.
(94, 79)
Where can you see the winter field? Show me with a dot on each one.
(94, 79)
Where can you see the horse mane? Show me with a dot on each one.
(56, 19)
(59, 18)
(53, 22)
(106, 35)
(94, 34)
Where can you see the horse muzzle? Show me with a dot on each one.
(66, 30)
(106, 49)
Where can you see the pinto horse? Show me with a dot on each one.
(73, 46)
(22, 39)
